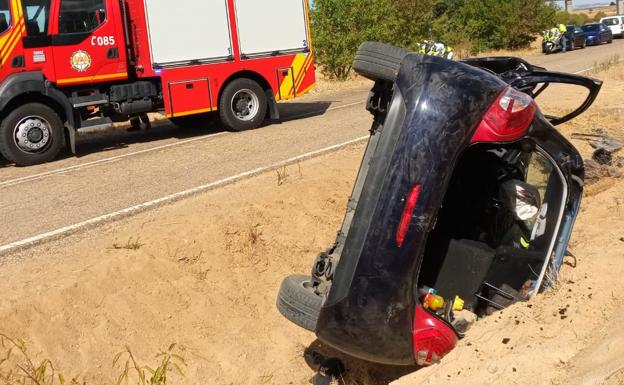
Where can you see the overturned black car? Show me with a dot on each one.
(464, 204)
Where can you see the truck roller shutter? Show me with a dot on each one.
(271, 26)
(185, 31)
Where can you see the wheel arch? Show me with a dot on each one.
(262, 82)
(31, 87)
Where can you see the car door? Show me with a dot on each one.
(88, 42)
(604, 34)
(579, 36)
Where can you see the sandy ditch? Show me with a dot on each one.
(203, 273)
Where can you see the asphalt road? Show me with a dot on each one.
(118, 173)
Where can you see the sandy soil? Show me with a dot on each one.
(203, 273)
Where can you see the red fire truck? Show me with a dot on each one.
(72, 64)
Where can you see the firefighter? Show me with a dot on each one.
(135, 123)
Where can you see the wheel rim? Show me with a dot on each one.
(245, 105)
(32, 134)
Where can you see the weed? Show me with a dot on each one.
(132, 244)
(18, 368)
(191, 259)
(282, 176)
(145, 375)
(255, 234)
(23, 370)
(203, 274)
(605, 65)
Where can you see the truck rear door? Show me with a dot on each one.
(88, 42)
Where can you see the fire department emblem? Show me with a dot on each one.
(80, 61)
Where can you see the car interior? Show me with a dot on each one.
(479, 250)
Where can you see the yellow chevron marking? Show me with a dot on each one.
(304, 72)
(10, 46)
(288, 85)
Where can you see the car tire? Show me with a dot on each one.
(31, 134)
(298, 303)
(572, 46)
(198, 121)
(243, 105)
(378, 61)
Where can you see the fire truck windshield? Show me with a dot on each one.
(5, 16)
(37, 16)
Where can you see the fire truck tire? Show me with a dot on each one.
(298, 303)
(378, 61)
(31, 134)
(243, 105)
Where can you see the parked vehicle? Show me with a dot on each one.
(576, 37)
(615, 23)
(475, 200)
(72, 64)
(597, 33)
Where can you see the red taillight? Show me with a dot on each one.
(508, 118)
(433, 339)
(406, 217)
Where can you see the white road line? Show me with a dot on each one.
(307, 114)
(29, 178)
(585, 70)
(67, 230)
(13, 182)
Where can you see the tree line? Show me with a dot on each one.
(473, 26)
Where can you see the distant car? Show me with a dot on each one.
(576, 37)
(597, 33)
(615, 23)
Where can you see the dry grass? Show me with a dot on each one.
(605, 65)
(18, 367)
(282, 175)
(132, 244)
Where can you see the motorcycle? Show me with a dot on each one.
(552, 42)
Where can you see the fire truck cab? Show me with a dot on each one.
(72, 64)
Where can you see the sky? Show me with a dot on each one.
(575, 2)
(587, 2)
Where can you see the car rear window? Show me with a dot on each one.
(611, 21)
(590, 27)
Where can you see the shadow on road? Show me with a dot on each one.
(296, 111)
(116, 138)
(322, 358)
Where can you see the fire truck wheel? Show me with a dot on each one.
(298, 302)
(31, 134)
(243, 105)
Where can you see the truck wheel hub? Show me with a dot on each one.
(245, 105)
(32, 134)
